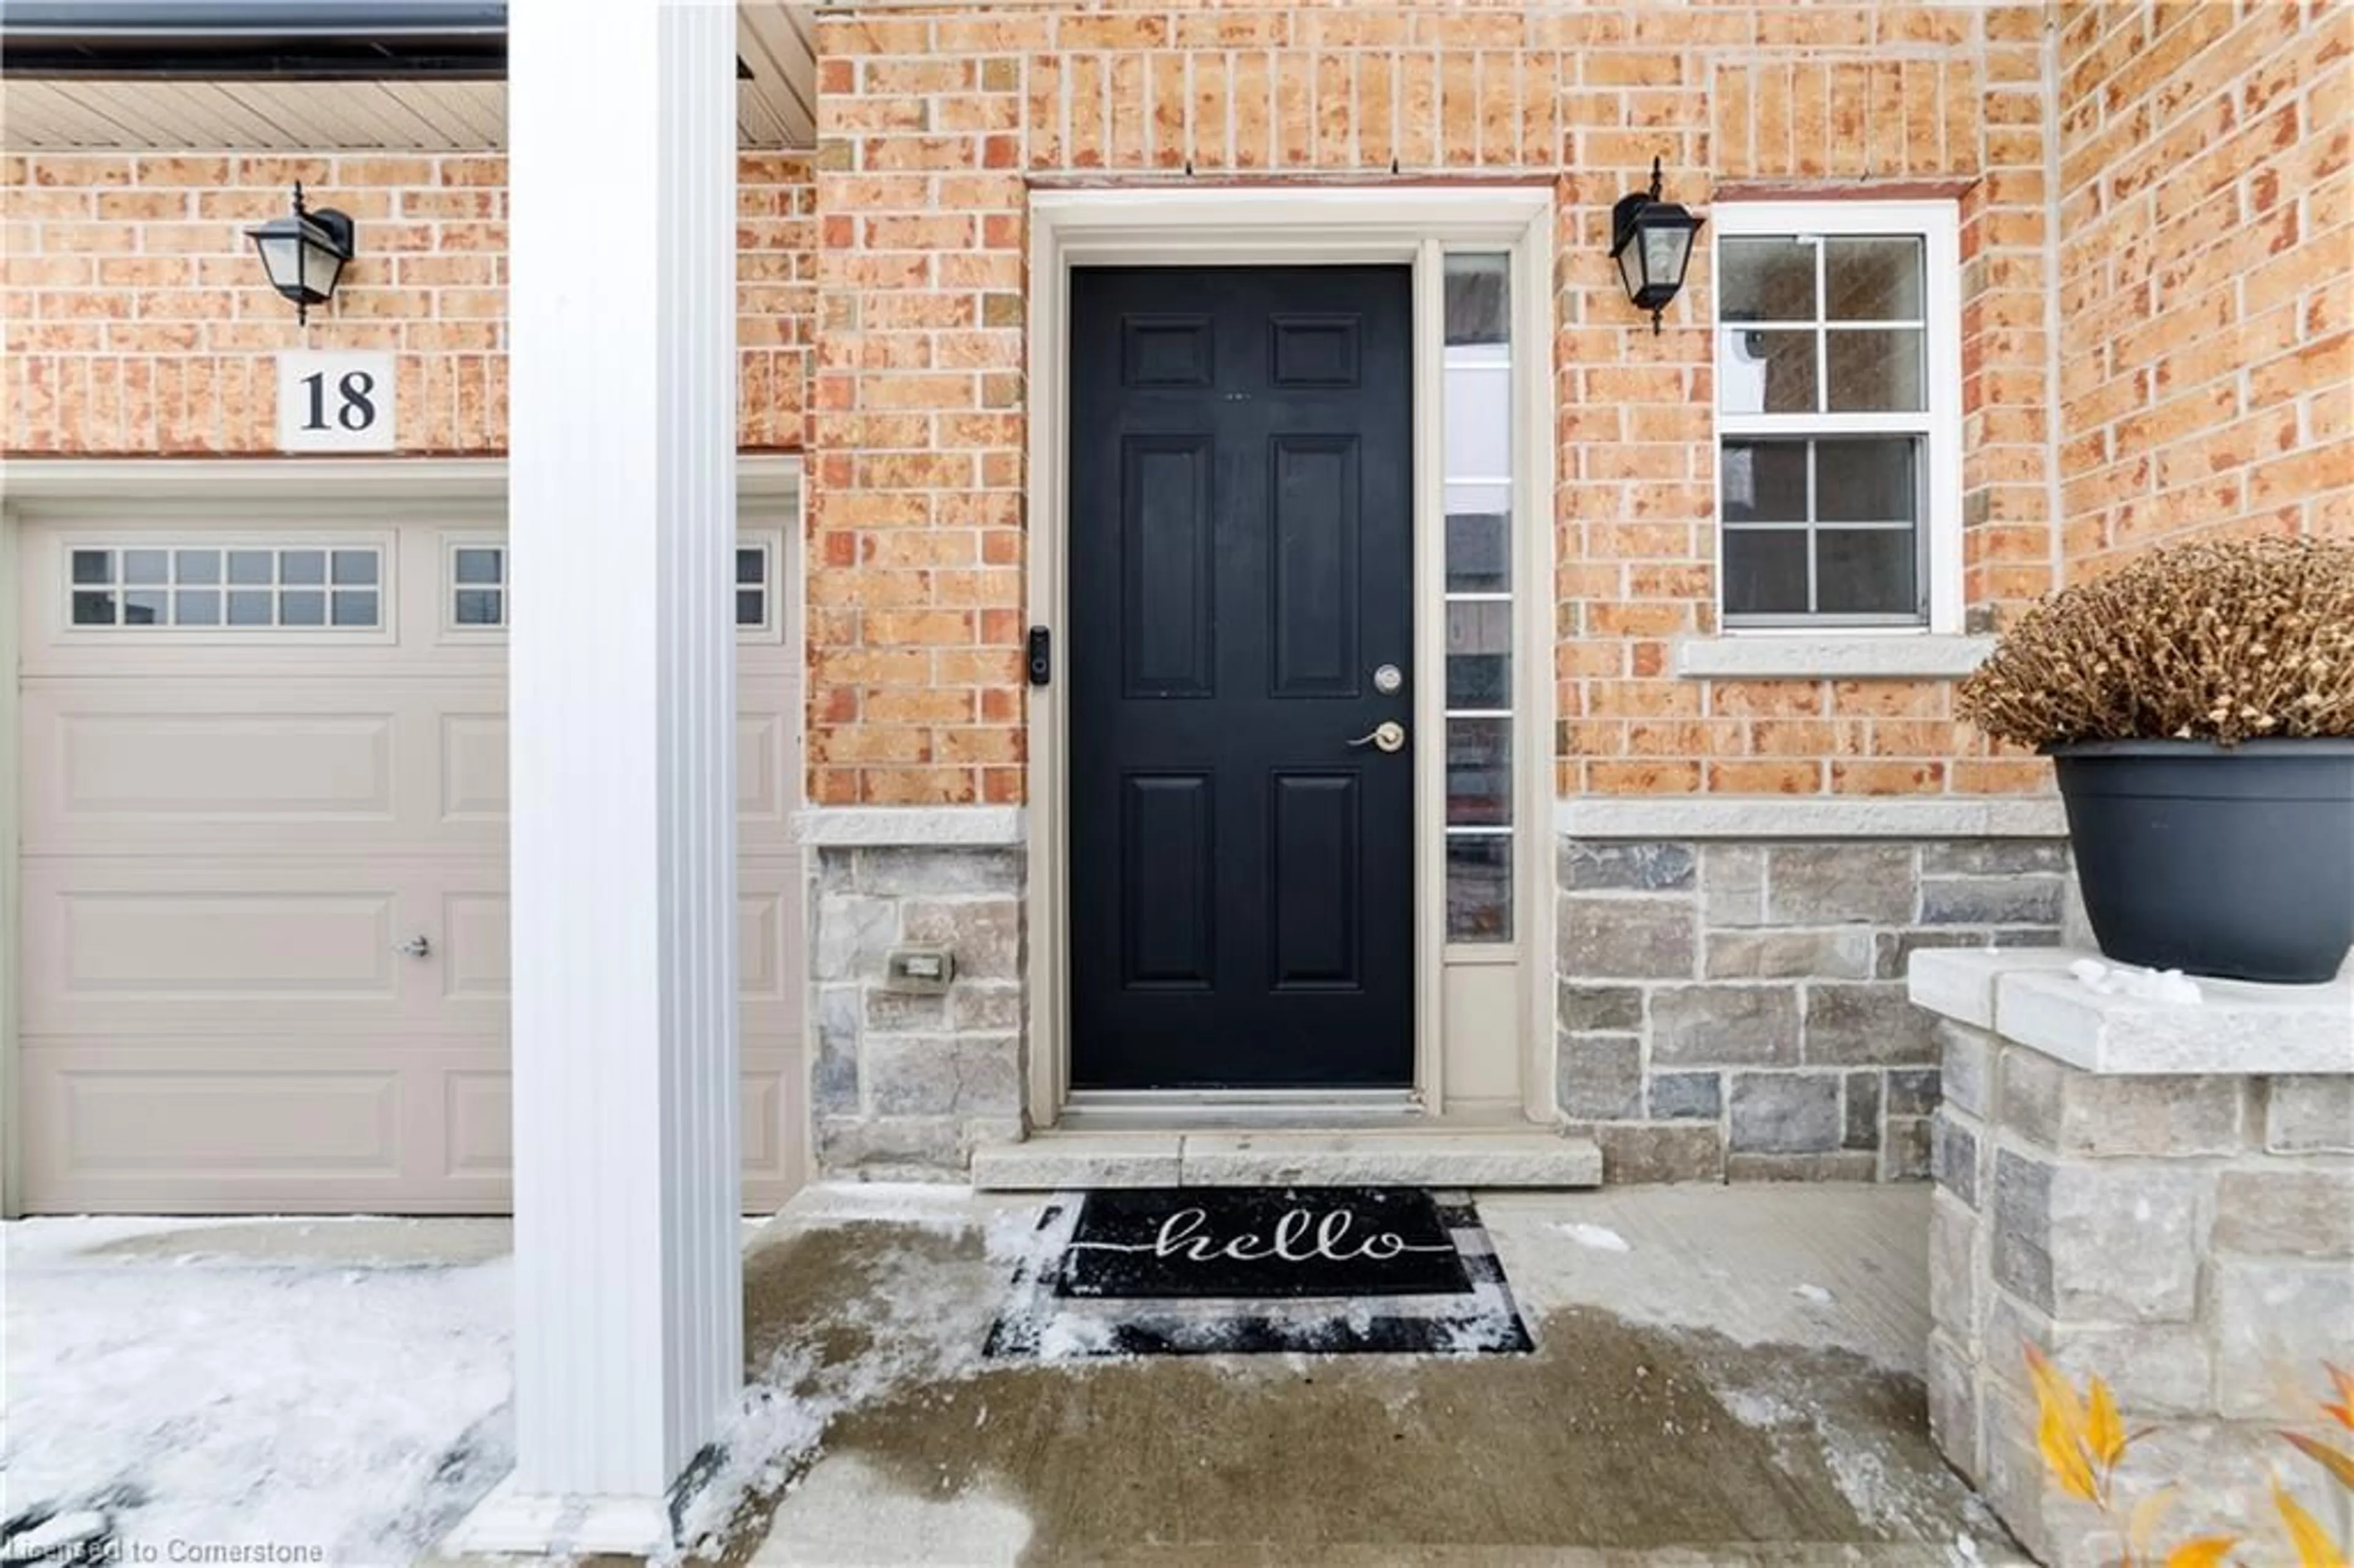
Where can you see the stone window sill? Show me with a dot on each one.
(1829, 656)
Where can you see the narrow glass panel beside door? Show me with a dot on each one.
(1477, 480)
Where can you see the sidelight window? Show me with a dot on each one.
(1837, 412)
(1477, 446)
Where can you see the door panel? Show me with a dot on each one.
(1311, 595)
(1313, 879)
(1169, 879)
(1240, 561)
(1167, 588)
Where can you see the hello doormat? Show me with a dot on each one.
(1242, 1270)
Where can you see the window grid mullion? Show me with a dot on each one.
(1814, 585)
(1822, 338)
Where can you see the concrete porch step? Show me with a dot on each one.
(1051, 1160)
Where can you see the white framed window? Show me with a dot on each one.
(756, 586)
(224, 586)
(477, 596)
(474, 583)
(1839, 415)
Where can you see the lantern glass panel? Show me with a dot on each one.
(1666, 249)
(1630, 267)
(282, 258)
(321, 268)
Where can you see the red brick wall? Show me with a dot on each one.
(2206, 272)
(2201, 376)
(933, 123)
(136, 319)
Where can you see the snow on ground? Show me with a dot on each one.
(924, 1327)
(187, 1380)
(248, 1396)
(1601, 1238)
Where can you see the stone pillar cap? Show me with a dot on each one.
(2027, 996)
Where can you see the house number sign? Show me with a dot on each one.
(336, 401)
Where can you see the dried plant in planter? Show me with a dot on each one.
(2222, 641)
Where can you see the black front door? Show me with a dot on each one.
(1241, 568)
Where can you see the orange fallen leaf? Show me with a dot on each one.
(2343, 1380)
(2053, 1387)
(2207, 1551)
(2314, 1547)
(2105, 1434)
(2335, 1460)
(2060, 1428)
(2064, 1456)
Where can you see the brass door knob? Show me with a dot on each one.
(1387, 736)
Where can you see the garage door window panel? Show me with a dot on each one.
(476, 589)
(297, 588)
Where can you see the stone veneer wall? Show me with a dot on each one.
(1737, 1009)
(2191, 1239)
(1725, 1010)
(905, 1085)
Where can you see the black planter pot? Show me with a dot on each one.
(2234, 862)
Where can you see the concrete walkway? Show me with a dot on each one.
(1725, 1376)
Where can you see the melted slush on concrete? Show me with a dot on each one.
(1723, 1376)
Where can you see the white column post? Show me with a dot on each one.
(628, 1327)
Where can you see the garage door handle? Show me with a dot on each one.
(415, 948)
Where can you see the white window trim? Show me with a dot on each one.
(1938, 223)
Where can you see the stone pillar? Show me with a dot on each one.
(629, 1339)
(908, 1081)
(2162, 1194)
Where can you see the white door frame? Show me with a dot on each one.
(12, 1181)
(1317, 225)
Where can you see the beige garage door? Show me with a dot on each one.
(263, 902)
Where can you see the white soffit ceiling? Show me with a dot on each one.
(774, 106)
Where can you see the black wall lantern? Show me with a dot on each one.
(1651, 240)
(304, 253)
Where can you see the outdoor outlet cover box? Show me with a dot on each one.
(924, 970)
